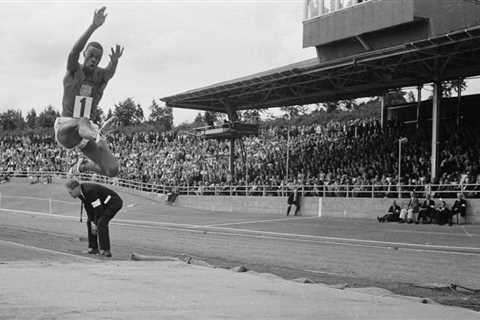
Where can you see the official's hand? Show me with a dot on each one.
(99, 17)
(116, 53)
(94, 229)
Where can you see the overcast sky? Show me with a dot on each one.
(170, 46)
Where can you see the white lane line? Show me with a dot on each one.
(258, 221)
(325, 272)
(27, 198)
(67, 202)
(140, 222)
(147, 222)
(290, 239)
(37, 213)
(350, 239)
(468, 234)
(277, 235)
(46, 250)
(434, 232)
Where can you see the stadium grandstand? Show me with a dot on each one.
(388, 45)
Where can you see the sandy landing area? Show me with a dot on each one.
(92, 289)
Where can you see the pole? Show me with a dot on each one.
(383, 114)
(459, 101)
(288, 155)
(399, 167)
(231, 157)
(419, 103)
(436, 102)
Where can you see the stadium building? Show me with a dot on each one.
(364, 49)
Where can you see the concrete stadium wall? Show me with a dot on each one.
(359, 208)
(258, 205)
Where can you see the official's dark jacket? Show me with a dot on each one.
(460, 206)
(97, 199)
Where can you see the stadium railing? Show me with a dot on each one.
(345, 191)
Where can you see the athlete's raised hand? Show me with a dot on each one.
(99, 17)
(116, 53)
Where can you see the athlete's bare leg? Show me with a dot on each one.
(101, 159)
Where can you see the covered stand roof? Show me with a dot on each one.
(447, 57)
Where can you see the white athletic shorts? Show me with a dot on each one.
(68, 121)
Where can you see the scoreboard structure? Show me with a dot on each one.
(340, 28)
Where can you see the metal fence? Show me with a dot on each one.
(345, 191)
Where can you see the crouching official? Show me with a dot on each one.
(101, 205)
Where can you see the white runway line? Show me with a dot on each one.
(278, 235)
(21, 245)
(139, 222)
(22, 197)
(325, 272)
(298, 239)
(468, 234)
(37, 213)
(67, 202)
(258, 221)
(436, 232)
(352, 240)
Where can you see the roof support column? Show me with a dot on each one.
(230, 111)
(419, 103)
(459, 101)
(437, 98)
(231, 158)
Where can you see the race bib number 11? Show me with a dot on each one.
(82, 107)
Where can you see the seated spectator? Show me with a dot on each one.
(442, 213)
(409, 213)
(393, 214)
(4, 178)
(34, 179)
(427, 210)
(459, 208)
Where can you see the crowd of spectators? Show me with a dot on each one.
(355, 153)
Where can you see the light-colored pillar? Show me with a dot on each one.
(333, 4)
(320, 6)
(383, 113)
(338, 4)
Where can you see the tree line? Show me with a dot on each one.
(128, 112)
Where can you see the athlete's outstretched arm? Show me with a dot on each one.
(115, 54)
(98, 19)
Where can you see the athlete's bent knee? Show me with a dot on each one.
(85, 130)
